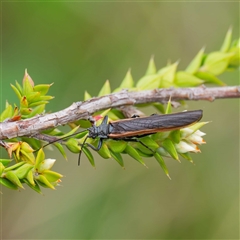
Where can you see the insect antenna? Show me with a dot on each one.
(80, 153)
(60, 139)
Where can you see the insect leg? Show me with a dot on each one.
(137, 140)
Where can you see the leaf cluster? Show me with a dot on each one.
(33, 169)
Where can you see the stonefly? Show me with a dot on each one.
(131, 129)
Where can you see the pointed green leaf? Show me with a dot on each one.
(151, 67)
(61, 149)
(19, 87)
(134, 154)
(42, 88)
(209, 78)
(197, 126)
(195, 64)
(7, 113)
(5, 182)
(167, 74)
(52, 176)
(169, 107)
(23, 170)
(184, 79)
(37, 110)
(186, 156)
(38, 103)
(170, 148)
(11, 176)
(5, 162)
(175, 136)
(105, 89)
(89, 156)
(149, 82)
(117, 157)
(217, 62)
(27, 86)
(15, 166)
(104, 151)
(17, 92)
(86, 96)
(44, 182)
(73, 145)
(127, 81)
(117, 146)
(35, 187)
(40, 157)
(162, 163)
(227, 41)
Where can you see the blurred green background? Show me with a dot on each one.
(78, 45)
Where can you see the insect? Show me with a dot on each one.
(132, 129)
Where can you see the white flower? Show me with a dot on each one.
(46, 164)
(196, 137)
(183, 147)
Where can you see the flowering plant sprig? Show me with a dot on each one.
(32, 168)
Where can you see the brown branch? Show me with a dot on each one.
(84, 110)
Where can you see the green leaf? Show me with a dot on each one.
(42, 88)
(168, 145)
(227, 41)
(167, 74)
(7, 113)
(117, 157)
(73, 145)
(217, 62)
(22, 171)
(61, 149)
(127, 81)
(148, 141)
(162, 163)
(5, 162)
(195, 64)
(19, 87)
(40, 157)
(37, 110)
(209, 78)
(27, 86)
(89, 156)
(151, 67)
(117, 146)
(11, 176)
(169, 107)
(17, 92)
(38, 103)
(175, 136)
(42, 180)
(17, 165)
(149, 82)
(197, 126)
(87, 96)
(52, 176)
(104, 151)
(184, 79)
(5, 182)
(35, 187)
(186, 156)
(134, 154)
(105, 89)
